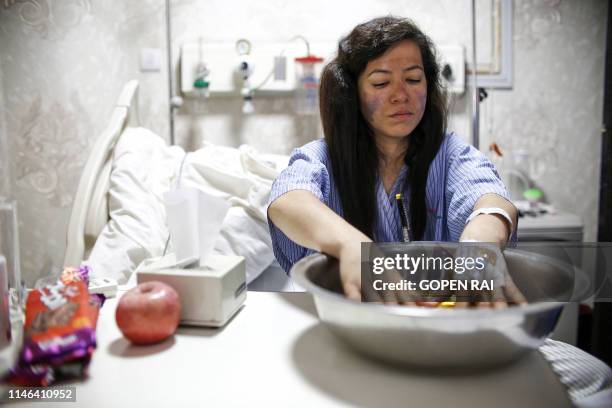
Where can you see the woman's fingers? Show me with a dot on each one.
(352, 291)
(388, 297)
(513, 294)
(498, 299)
(406, 298)
(428, 304)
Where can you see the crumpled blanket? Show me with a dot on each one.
(144, 168)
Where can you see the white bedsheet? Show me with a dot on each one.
(144, 167)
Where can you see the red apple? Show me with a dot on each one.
(148, 313)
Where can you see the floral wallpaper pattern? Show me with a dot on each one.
(63, 63)
(49, 17)
(50, 149)
(62, 66)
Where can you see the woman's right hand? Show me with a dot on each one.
(350, 269)
(354, 288)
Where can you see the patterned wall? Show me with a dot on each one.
(63, 63)
(555, 109)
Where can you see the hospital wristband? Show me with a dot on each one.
(492, 210)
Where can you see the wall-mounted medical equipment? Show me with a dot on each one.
(307, 85)
(201, 84)
(245, 68)
(270, 69)
(249, 69)
(452, 68)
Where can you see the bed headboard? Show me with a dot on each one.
(90, 208)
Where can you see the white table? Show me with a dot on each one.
(275, 353)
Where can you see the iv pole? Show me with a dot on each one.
(171, 103)
(476, 97)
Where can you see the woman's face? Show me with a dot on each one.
(393, 91)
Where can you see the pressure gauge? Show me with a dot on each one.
(243, 46)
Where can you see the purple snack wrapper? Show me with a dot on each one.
(60, 349)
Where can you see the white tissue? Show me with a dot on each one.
(194, 221)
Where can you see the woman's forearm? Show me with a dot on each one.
(491, 227)
(311, 224)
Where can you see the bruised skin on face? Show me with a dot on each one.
(373, 104)
(393, 92)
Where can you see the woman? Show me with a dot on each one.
(384, 118)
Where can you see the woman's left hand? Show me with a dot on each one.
(495, 270)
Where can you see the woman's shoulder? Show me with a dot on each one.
(452, 142)
(312, 151)
(452, 146)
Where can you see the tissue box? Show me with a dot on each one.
(211, 293)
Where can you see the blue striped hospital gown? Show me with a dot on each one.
(458, 176)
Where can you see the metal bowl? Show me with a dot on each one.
(444, 338)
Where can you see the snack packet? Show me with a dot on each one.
(60, 324)
(59, 330)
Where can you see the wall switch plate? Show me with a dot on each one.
(150, 59)
(280, 68)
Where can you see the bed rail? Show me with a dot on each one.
(90, 208)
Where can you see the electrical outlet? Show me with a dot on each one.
(150, 59)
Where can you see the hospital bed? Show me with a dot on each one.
(91, 214)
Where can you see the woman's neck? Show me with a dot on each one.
(391, 152)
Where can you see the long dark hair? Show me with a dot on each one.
(350, 142)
